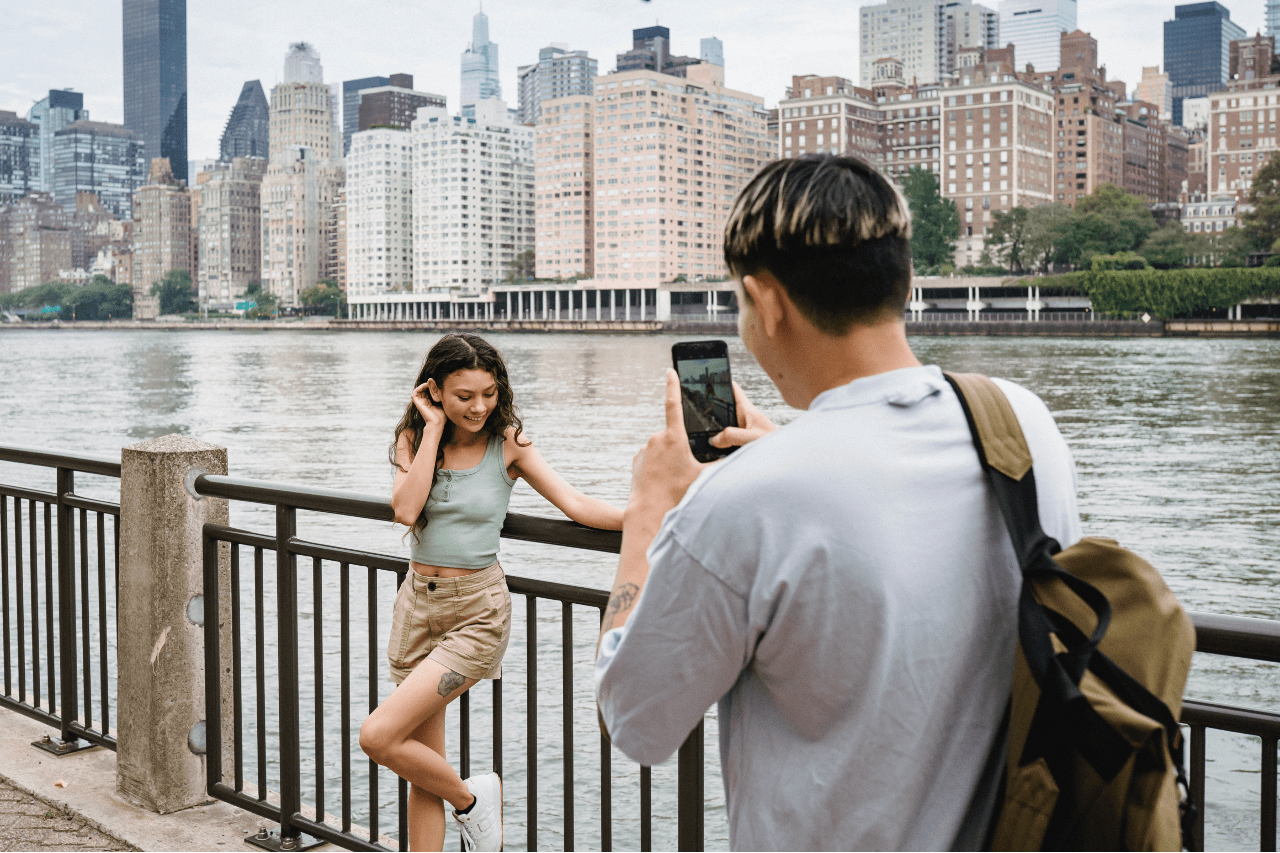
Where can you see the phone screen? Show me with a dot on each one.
(707, 394)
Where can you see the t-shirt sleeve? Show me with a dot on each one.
(679, 652)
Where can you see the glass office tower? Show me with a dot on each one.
(1197, 50)
(155, 78)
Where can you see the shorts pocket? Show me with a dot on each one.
(403, 613)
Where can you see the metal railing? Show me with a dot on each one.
(52, 648)
(77, 598)
(344, 831)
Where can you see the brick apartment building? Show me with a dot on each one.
(1242, 125)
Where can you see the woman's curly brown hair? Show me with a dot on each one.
(450, 354)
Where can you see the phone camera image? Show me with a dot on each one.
(706, 393)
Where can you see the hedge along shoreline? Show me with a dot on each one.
(1169, 293)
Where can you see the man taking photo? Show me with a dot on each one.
(843, 586)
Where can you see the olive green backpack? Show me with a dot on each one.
(1089, 754)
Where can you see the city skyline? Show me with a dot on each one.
(762, 51)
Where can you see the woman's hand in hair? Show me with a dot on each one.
(431, 411)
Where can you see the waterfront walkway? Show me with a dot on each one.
(28, 822)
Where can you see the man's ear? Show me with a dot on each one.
(765, 292)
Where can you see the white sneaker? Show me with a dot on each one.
(482, 826)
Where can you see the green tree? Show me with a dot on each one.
(175, 292)
(1262, 224)
(266, 307)
(1230, 248)
(935, 222)
(100, 299)
(523, 268)
(1008, 233)
(1047, 230)
(1168, 247)
(325, 298)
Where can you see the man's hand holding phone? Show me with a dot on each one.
(752, 423)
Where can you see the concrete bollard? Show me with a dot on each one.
(160, 644)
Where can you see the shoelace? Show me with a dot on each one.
(467, 841)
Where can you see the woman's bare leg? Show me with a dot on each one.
(390, 735)
(427, 819)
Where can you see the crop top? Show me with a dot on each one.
(465, 512)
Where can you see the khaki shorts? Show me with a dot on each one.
(461, 623)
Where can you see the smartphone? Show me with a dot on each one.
(707, 394)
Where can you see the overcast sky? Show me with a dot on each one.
(53, 44)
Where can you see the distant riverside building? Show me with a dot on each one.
(94, 228)
(162, 239)
(52, 113)
(19, 157)
(35, 242)
(351, 105)
(558, 73)
(230, 230)
(98, 157)
(394, 105)
(1197, 48)
(248, 130)
(1273, 17)
(479, 66)
(1034, 28)
(670, 154)
(832, 116)
(304, 177)
(651, 51)
(563, 183)
(1154, 88)
(473, 197)
(155, 77)
(379, 212)
(712, 51)
(1195, 113)
(1242, 118)
(923, 35)
(336, 262)
(1203, 214)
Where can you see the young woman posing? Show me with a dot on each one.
(458, 451)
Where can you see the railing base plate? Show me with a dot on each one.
(269, 839)
(58, 746)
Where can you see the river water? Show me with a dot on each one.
(1177, 446)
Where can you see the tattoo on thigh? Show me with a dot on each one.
(622, 600)
(450, 682)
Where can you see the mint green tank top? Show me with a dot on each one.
(465, 511)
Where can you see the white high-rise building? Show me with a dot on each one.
(559, 72)
(379, 212)
(479, 66)
(1035, 28)
(924, 35)
(473, 197)
(302, 64)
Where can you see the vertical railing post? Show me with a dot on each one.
(690, 798)
(1268, 793)
(287, 630)
(66, 608)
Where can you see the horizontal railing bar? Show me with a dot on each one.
(103, 465)
(262, 808)
(29, 494)
(90, 504)
(93, 736)
(236, 536)
(365, 559)
(1228, 718)
(1237, 636)
(558, 591)
(325, 832)
(299, 497)
(556, 531)
(38, 714)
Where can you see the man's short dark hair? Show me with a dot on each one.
(833, 231)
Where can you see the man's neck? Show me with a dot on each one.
(824, 362)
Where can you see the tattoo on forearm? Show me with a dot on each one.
(450, 682)
(622, 600)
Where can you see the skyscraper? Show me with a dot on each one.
(1197, 49)
(558, 73)
(351, 105)
(155, 78)
(52, 113)
(162, 240)
(713, 51)
(19, 157)
(1273, 17)
(479, 66)
(302, 64)
(1035, 28)
(98, 157)
(248, 130)
(395, 105)
(924, 36)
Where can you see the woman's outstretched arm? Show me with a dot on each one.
(528, 463)
(414, 471)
